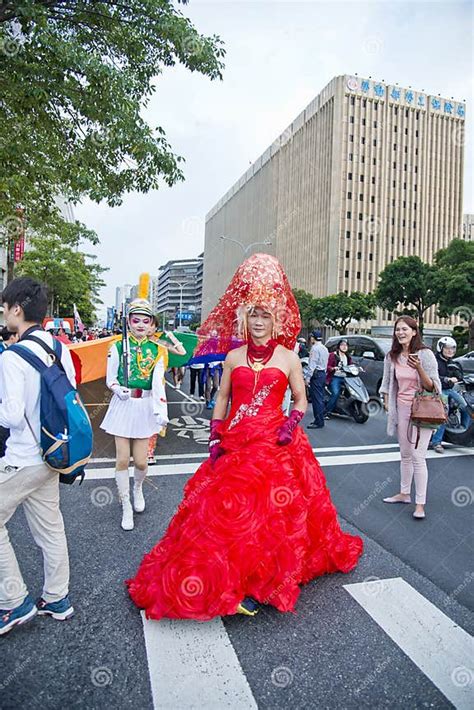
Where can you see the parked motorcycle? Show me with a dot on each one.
(455, 432)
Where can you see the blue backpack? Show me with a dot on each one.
(66, 430)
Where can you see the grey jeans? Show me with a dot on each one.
(37, 488)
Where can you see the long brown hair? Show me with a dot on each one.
(416, 342)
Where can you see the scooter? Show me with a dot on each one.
(455, 432)
(353, 398)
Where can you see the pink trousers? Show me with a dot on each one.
(413, 461)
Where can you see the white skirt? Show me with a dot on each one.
(131, 418)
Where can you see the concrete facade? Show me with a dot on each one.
(468, 227)
(366, 173)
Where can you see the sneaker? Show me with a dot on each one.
(60, 610)
(438, 448)
(202, 398)
(17, 616)
(178, 385)
(151, 460)
(248, 607)
(209, 405)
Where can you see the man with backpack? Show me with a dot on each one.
(24, 476)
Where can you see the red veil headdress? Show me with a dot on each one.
(259, 281)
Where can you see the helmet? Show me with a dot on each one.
(445, 342)
(302, 340)
(317, 335)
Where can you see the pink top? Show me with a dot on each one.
(407, 379)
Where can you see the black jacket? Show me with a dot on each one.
(445, 370)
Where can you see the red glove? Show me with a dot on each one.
(285, 435)
(215, 439)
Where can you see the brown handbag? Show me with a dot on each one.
(427, 408)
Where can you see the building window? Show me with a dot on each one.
(403, 242)
(406, 149)
(374, 161)
(361, 216)
(348, 254)
(374, 142)
(416, 134)
(349, 176)
(351, 138)
(396, 111)
(362, 140)
(404, 203)
(414, 225)
(370, 276)
(371, 238)
(394, 146)
(371, 257)
(363, 121)
(348, 235)
(393, 240)
(405, 167)
(375, 124)
(393, 220)
(352, 100)
(361, 178)
(359, 255)
(361, 198)
(395, 129)
(406, 113)
(406, 131)
(394, 166)
(404, 186)
(403, 222)
(364, 103)
(416, 168)
(346, 274)
(351, 119)
(415, 187)
(393, 203)
(417, 115)
(358, 275)
(372, 199)
(359, 235)
(351, 156)
(416, 151)
(348, 214)
(414, 205)
(349, 195)
(375, 107)
(373, 180)
(394, 183)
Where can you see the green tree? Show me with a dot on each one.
(305, 303)
(455, 266)
(70, 275)
(408, 286)
(338, 310)
(75, 77)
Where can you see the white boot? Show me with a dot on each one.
(121, 478)
(138, 499)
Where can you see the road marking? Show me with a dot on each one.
(440, 648)
(97, 474)
(194, 664)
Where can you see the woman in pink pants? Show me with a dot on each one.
(409, 367)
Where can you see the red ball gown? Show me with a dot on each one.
(257, 523)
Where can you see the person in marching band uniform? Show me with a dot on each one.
(138, 408)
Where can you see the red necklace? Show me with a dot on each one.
(259, 355)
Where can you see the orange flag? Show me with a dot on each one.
(90, 358)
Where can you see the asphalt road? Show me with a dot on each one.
(336, 651)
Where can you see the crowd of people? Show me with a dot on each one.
(256, 520)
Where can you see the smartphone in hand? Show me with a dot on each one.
(413, 359)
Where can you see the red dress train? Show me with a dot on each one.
(258, 523)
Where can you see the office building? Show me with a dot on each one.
(179, 286)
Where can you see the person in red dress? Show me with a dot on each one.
(256, 520)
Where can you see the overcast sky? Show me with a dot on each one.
(280, 54)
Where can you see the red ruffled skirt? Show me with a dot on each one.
(258, 523)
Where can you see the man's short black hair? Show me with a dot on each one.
(6, 334)
(30, 295)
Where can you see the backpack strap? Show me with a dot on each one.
(28, 356)
(55, 351)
